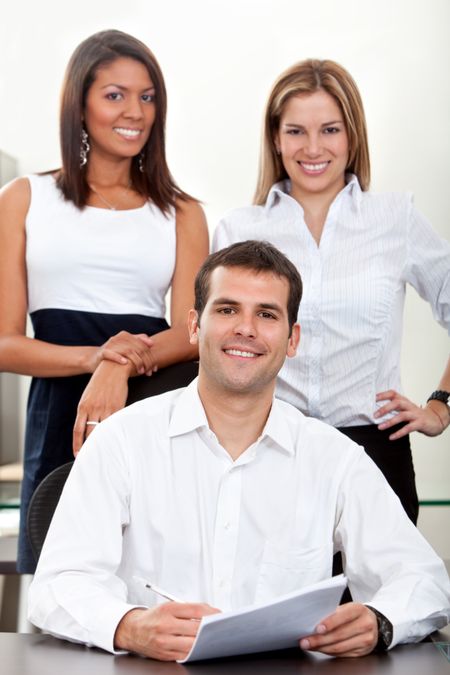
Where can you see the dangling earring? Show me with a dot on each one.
(84, 147)
(141, 161)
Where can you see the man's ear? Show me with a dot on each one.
(293, 341)
(193, 326)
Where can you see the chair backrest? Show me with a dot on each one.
(172, 377)
(42, 506)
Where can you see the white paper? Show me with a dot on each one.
(275, 625)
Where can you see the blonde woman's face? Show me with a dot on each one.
(313, 143)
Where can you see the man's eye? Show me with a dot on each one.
(226, 310)
(266, 315)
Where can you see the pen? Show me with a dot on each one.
(156, 589)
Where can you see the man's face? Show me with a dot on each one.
(243, 335)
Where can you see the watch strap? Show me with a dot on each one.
(439, 395)
(385, 630)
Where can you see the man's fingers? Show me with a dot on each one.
(169, 647)
(190, 610)
(353, 646)
(349, 611)
(349, 631)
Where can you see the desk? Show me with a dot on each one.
(44, 655)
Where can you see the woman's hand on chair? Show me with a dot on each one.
(125, 348)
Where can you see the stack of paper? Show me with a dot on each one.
(275, 625)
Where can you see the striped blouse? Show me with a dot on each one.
(354, 291)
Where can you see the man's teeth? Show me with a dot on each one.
(238, 352)
(131, 133)
(314, 167)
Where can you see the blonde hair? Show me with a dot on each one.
(306, 77)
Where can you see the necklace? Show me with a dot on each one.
(111, 207)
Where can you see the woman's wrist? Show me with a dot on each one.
(118, 370)
(89, 359)
(441, 410)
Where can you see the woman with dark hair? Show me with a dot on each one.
(355, 251)
(90, 251)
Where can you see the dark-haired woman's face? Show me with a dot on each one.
(120, 109)
(313, 143)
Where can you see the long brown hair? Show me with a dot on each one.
(307, 77)
(155, 182)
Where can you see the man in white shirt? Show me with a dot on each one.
(224, 496)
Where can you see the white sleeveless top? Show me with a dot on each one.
(96, 260)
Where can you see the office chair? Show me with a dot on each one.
(173, 377)
(42, 506)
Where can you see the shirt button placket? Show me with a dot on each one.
(225, 536)
(316, 335)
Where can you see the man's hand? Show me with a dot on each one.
(166, 632)
(351, 631)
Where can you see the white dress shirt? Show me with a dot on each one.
(351, 313)
(153, 494)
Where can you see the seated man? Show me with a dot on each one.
(225, 496)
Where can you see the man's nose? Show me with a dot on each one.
(245, 325)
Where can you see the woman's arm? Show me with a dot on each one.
(172, 345)
(428, 270)
(28, 356)
(108, 388)
(430, 420)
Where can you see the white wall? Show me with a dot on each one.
(220, 59)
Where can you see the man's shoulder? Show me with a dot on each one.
(151, 409)
(153, 404)
(312, 434)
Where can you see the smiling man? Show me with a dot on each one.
(224, 496)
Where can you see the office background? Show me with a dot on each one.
(219, 59)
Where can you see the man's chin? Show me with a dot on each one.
(240, 385)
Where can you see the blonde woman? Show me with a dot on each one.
(356, 252)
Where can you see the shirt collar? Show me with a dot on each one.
(189, 414)
(281, 192)
(277, 428)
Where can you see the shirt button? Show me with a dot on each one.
(227, 525)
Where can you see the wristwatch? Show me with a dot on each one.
(385, 631)
(439, 395)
